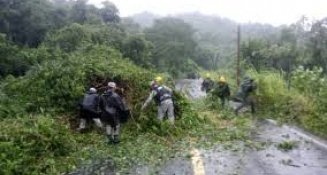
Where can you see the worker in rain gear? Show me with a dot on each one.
(243, 95)
(89, 109)
(163, 98)
(222, 90)
(111, 105)
(207, 83)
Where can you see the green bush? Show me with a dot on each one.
(76, 36)
(304, 103)
(37, 145)
(313, 84)
(57, 85)
(33, 145)
(310, 82)
(287, 145)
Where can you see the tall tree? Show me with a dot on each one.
(83, 13)
(138, 50)
(109, 12)
(173, 43)
(318, 43)
(12, 59)
(25, 22)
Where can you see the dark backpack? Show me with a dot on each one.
(162, 94)
(90, 101)
(124, 113)
(110, 104)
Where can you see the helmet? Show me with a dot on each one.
(207, 75)
(93, 90)
(158, 79)
(112, 84)
(222, 79)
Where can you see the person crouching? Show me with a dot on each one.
(88, 109)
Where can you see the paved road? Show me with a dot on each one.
(309, 157)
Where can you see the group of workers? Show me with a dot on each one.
(110, 109)
(222, 91)
(107, 111)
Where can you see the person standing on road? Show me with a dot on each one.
(243, 95)
(163, 98)
(111, 104)
(222, 90)
(89, 109)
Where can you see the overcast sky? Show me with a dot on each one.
(275, 12)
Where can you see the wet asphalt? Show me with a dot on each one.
(308, 155)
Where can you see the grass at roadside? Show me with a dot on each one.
(153, 151)
(50, 146)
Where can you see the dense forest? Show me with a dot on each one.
(51, 51)
(263, 45)
(198, 39)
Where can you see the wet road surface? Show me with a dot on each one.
(190, 87)
(262, 157)
(307, 157)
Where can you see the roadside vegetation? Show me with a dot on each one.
(287, 145)
(52, 55)
(301, 103)
(43, 77)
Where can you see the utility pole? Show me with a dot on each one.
(238, 55)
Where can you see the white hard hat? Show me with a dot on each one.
(93, 90)
(112, 84)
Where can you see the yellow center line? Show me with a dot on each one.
(197, 162)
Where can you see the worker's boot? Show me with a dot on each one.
(116, 134)
(110, 139)
(116, 139)
(82, 125)
(109, 132)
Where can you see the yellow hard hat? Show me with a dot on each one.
(207, 75)
(222, 79)
(158, 79)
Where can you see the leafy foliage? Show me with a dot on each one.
(173, 43)
(317, 44)
(74, 45)
(58, 84)
(27, 22)
(287, 145)
(301, 103)
(313, 84)
(33, 145)
(138, 50)
(13, 59)
(263, 55)
(75, 36)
